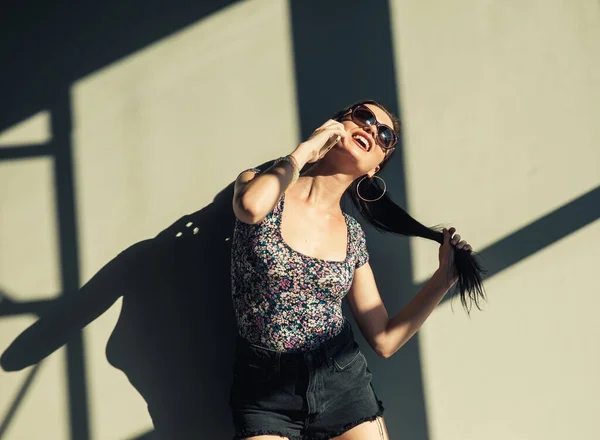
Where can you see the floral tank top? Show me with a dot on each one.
(285, 300)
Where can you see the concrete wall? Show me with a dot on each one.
(500, 103)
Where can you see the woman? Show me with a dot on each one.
(298, 372)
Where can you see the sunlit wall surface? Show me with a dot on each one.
(500, 103)
(500, 106)
(29, 267)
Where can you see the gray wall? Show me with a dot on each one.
(500, 103)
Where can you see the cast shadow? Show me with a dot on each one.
(175, 336)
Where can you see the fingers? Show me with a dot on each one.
(334, 128)
(338, 128)
(463, 245)
(455, 240)
(447, 236)
(331, 125)
(332, 122)
(335, 131)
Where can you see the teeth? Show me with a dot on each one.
(362, 139)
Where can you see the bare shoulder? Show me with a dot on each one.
(239, 186)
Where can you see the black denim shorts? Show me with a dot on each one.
(313, 395)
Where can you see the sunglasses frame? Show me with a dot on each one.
(377, 125)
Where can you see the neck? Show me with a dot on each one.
(322, 188)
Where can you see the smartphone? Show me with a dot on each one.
(329, 145)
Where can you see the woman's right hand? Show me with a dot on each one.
(310, 149)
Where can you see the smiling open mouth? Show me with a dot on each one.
(361, 141)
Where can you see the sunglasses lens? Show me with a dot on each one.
(386, 136)
(364, 115)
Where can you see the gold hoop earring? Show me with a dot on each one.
(373, 200)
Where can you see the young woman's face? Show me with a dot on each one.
(370, 156)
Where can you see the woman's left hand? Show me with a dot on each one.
(446, 253)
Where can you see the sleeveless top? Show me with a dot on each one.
(285, 300)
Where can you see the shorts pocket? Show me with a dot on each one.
(347, 356)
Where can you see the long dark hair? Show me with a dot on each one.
(387, 216)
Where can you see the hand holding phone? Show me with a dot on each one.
(322, 140)
(329, 145)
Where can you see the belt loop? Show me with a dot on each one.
(327, 355)
(277, 364)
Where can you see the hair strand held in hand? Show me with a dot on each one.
(387, 216)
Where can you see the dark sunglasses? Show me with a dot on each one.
(363, 116)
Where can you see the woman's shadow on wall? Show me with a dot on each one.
(175, 336)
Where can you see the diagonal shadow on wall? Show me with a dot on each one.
(65, 42)
(541, 233)
(46, 48)
(5, 422)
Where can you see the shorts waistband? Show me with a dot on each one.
(322, 353)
